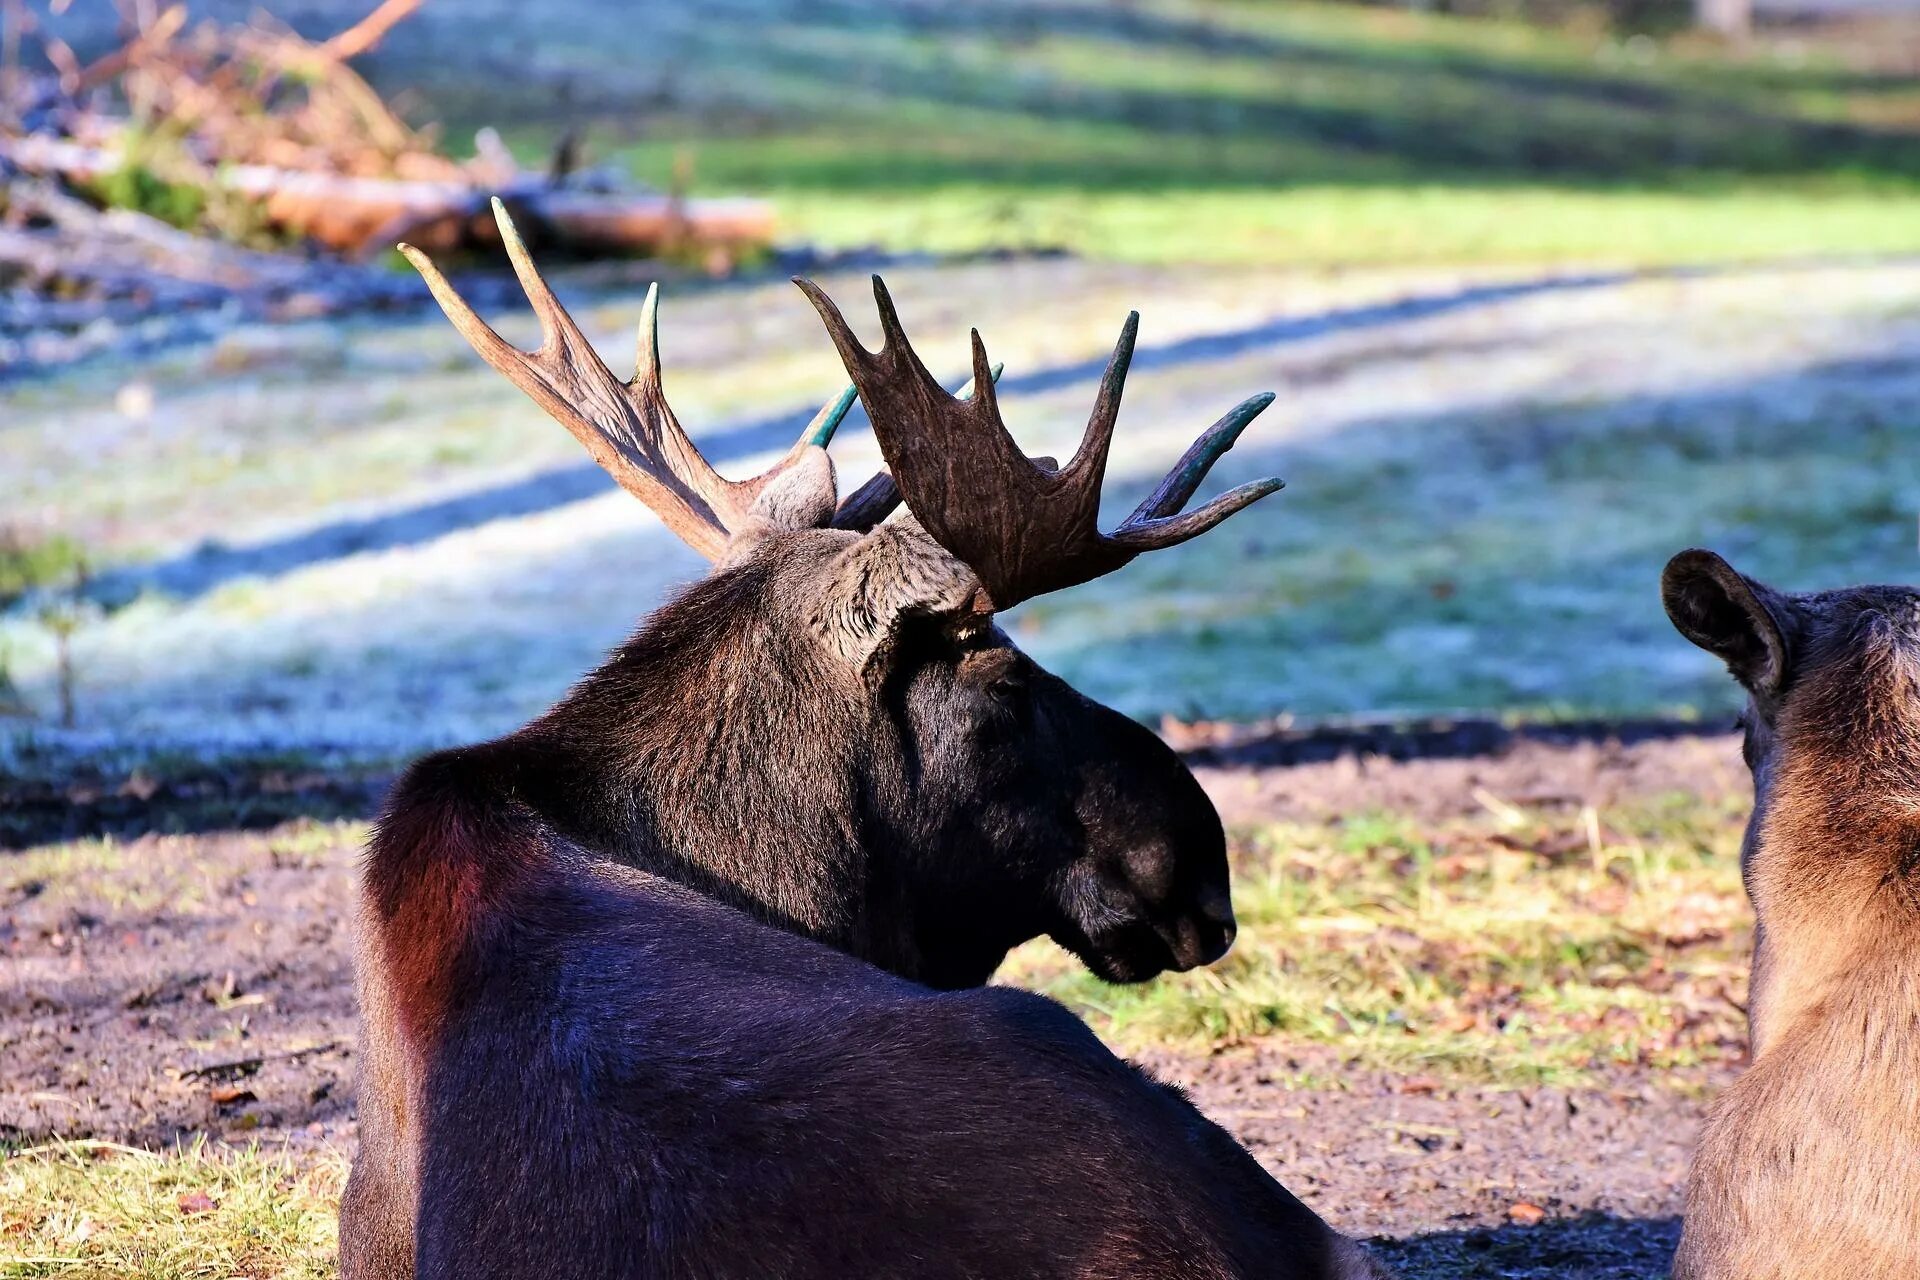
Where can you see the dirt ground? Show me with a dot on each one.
(181, 985)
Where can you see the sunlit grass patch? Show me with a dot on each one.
(1369, 224)
(160, 871)
(1521, 947)
(98, 1209)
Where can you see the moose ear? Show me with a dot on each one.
(890, 573)
(1738, 620)
(801, 496)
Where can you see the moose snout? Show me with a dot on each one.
(1202, 937)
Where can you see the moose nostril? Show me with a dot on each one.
(1228, 931)
(1216, 907)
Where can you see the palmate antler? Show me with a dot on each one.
(1023, 526)
(628, 427)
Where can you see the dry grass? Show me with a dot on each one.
(1517, 947)
(98, 1209)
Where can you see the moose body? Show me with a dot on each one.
(637, 1080)
(1809, 1165)
(682, 978)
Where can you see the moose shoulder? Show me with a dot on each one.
(617, 1012)
(1809, 1166)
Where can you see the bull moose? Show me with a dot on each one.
(682, 978)
(1809, 1166)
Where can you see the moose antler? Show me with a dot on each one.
(628, 427)
(1022, 525)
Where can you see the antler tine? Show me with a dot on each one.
(646, 337)
(1022, 526)
(1167, 531)
(556, 326)
(492, 348)
(628, 427)
(1172, 493)
(1089, 463)
(985, 382)
(852, 354)
(820, 430)
(895, 338)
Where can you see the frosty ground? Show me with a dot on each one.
(360, 541)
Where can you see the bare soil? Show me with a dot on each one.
(201, 984)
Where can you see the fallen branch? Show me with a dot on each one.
(369, 31)
(361, 216)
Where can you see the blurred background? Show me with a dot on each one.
(1548, 289)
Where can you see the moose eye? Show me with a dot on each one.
(998, 672)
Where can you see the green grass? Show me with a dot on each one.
(1327, 226)
(1188, 130)
(98, 873)
(1518, 948)
(88, 1210)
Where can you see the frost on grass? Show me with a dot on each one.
(1480, 496)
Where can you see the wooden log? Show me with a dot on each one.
(349, 215)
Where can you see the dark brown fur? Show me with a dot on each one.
(618, 1018)
(1810, 1164)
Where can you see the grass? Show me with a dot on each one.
(100, 872)
(98, 1209)
(1517, 948)
(1331, 226)
(1479, 502)
(1210, 130)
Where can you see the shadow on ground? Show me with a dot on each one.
(210, 566)
(58, 800)
(1593, 1246)
(75, 800)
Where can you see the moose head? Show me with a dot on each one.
(830, 730)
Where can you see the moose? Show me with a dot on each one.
(1809, 1165)
(684, 977)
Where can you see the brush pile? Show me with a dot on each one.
(195, 175)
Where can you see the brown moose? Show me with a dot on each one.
(681, 979)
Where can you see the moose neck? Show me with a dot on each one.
(720, 750)
(1832, 859)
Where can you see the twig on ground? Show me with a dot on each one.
(247, 1066)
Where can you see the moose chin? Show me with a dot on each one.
(684, 977)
